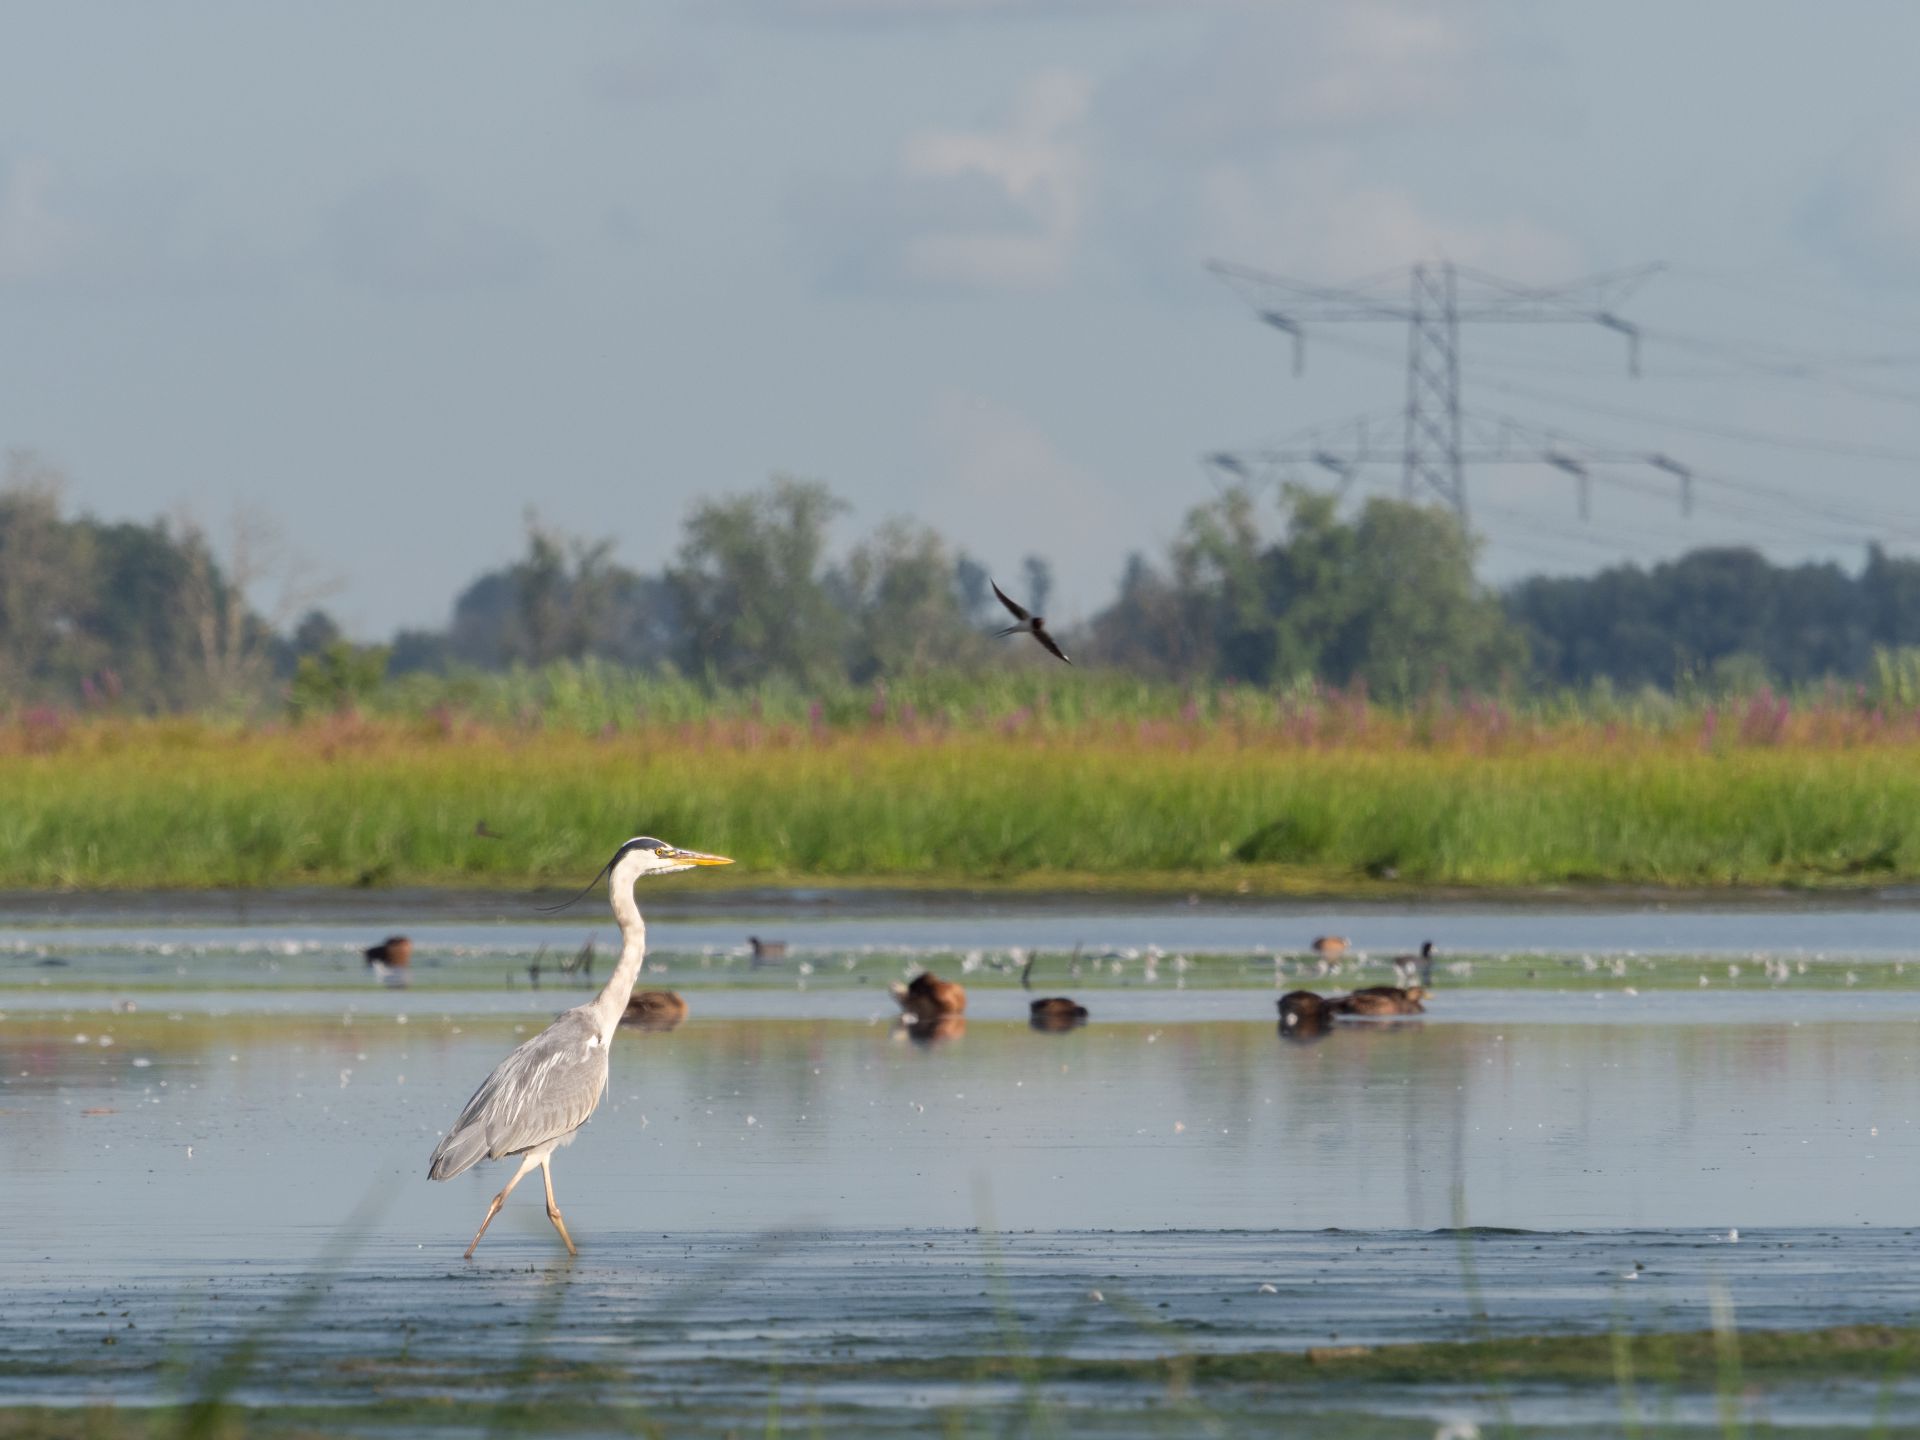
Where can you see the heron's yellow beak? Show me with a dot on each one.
(698, 859)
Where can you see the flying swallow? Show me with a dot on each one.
(1030, 624)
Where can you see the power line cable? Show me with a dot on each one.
(1740, 434)
(1779, 293)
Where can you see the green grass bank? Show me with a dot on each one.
(1351, 1392)
(157, 804)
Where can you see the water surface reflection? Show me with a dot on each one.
(735, 1124)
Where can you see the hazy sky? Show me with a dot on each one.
(394, 273)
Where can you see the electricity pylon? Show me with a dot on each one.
(1498, 440)
(1441, 298)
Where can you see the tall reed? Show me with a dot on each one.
(1331, 793)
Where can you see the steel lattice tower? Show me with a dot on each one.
(1434, 448)
(1431, 455)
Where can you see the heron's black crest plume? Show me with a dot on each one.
(641, 842)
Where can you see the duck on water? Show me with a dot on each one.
(655, 1010)
(1056, 1013)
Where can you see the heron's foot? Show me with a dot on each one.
(492, 1210)
(553, 1214)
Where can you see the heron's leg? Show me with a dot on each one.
(494, 1209)
(553, 1205)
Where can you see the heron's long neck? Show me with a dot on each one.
(611, 1003)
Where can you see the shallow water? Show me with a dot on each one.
(787, 1179)
(1880, 928)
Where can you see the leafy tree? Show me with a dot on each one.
(337, 677)
(564, 599)
(1890, 597)
(315, 632)
(1147, 629)
(1039, 584)
(416, 650)
(134, 612)
(1388, 600)
(907, 606)
(752, 586)
(141, 614)
(1687, 618)
(46, 578)
(973, 583)
(1415, 617)
(235, 646)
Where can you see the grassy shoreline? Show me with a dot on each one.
(171, 805)
(1245, 1392)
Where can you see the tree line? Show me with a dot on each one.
(165, 616)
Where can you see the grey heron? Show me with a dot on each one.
(539, 1096)
(1030, 624)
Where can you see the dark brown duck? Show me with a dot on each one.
(1382, 1000)
(654, 1010)
(929, 997)
(1056, 1013)
(1305, 1015)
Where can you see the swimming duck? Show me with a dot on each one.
(767, 952)
(929, 996)
(394, 952)
(1056, 1013)
(1304, 1015)
(388, 960)
(1329, 947)
(654, 1010)
(1382, 1000)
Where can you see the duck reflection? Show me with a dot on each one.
(1305, 1016)
(935, 1029)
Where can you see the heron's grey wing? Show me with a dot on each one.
(1019, 610)
(547, 1088)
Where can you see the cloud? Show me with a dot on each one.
(995, 208)
(398, 236)
(145, 233)
(37, 239)
(1865, 214)
(1320, 215)
(1274, 140)
(1281, 74)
